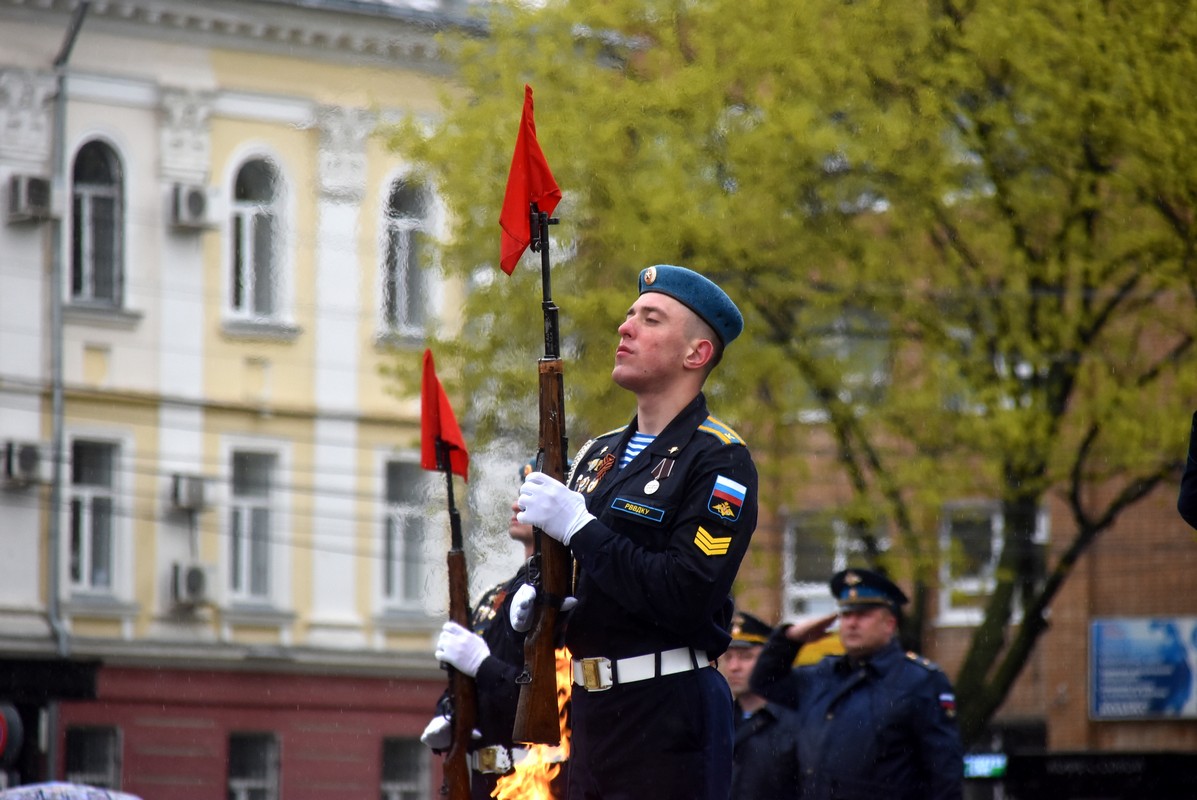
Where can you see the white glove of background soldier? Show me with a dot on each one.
(547, 504)
(463, 649)
(438, 734)
(522, 603)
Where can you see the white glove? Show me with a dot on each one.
(520, 612)
(522, 602)
(547, 504)
(438, 733)
(464, 649)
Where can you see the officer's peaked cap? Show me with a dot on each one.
(700, 294)
(747, 630)
(853, 588)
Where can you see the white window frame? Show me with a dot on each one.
(402, 273)
(244, 217)
(404, 786)
(404, 577)
(82, 231)
(243, 787)
(805, 598)
(980, 585)
(101, 742)
(244, 558)
(84, 497)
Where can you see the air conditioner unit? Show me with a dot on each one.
(191, 584)
(187, 492)
(190, 206)
(22, 462)
(28, 198)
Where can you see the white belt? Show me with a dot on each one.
(496, 759)
(600, 674)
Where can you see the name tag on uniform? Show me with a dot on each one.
(637, 509)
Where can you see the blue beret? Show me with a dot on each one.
(698, 293)
(862, 587)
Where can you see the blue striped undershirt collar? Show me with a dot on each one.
(636, 444)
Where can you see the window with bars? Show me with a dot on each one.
(92, 515)
(97, 226)
(253, 766)
(93, 756)
(403, 534)
(404, 770)
(250, 525)
(405, 285)
(253, 236)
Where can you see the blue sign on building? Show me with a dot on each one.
(1143, 668)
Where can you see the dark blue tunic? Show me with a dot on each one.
(655, 573)
(884, 728)
(765, 763)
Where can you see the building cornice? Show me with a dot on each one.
(358, 31)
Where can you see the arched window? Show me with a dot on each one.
(254, 234)
(404, 284)
(97, 225)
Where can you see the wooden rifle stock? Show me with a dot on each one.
(537, 717)
(462, 690)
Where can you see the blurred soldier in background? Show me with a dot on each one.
(765, 758)
(874, 722)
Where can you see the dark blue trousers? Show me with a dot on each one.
(668, 738)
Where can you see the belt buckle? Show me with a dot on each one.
(592, 674)
(495, 759)
(488, 759)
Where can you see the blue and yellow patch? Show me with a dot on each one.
(720, 430)
(636, 509)
(711, 545)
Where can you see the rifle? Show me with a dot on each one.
(537, 717)
(463, 702)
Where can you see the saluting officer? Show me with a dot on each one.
(765, 761)
(874, 722)
(658, 514)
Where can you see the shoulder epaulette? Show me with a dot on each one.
(925, 663)
(720, 430)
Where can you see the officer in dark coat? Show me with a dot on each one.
(658, 515)
(1186, 503)
(765, 760)
(875, 722)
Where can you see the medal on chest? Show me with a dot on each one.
(596, 468)
(660, 472)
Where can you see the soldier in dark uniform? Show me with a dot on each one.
(658, 515)
(492, 653)
(1186, 502)
(874, 722)
(765, 761)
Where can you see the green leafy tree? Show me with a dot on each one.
(962, 235)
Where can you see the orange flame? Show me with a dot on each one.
(534, 774)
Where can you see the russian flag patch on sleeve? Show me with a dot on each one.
(727, 498)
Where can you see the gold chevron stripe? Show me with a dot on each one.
(711, 545)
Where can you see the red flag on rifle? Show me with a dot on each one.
(530, 181)
(437, 422)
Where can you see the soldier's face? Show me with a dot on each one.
(736, 665)
(654, 341)
(519, 531)
(864, 631)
